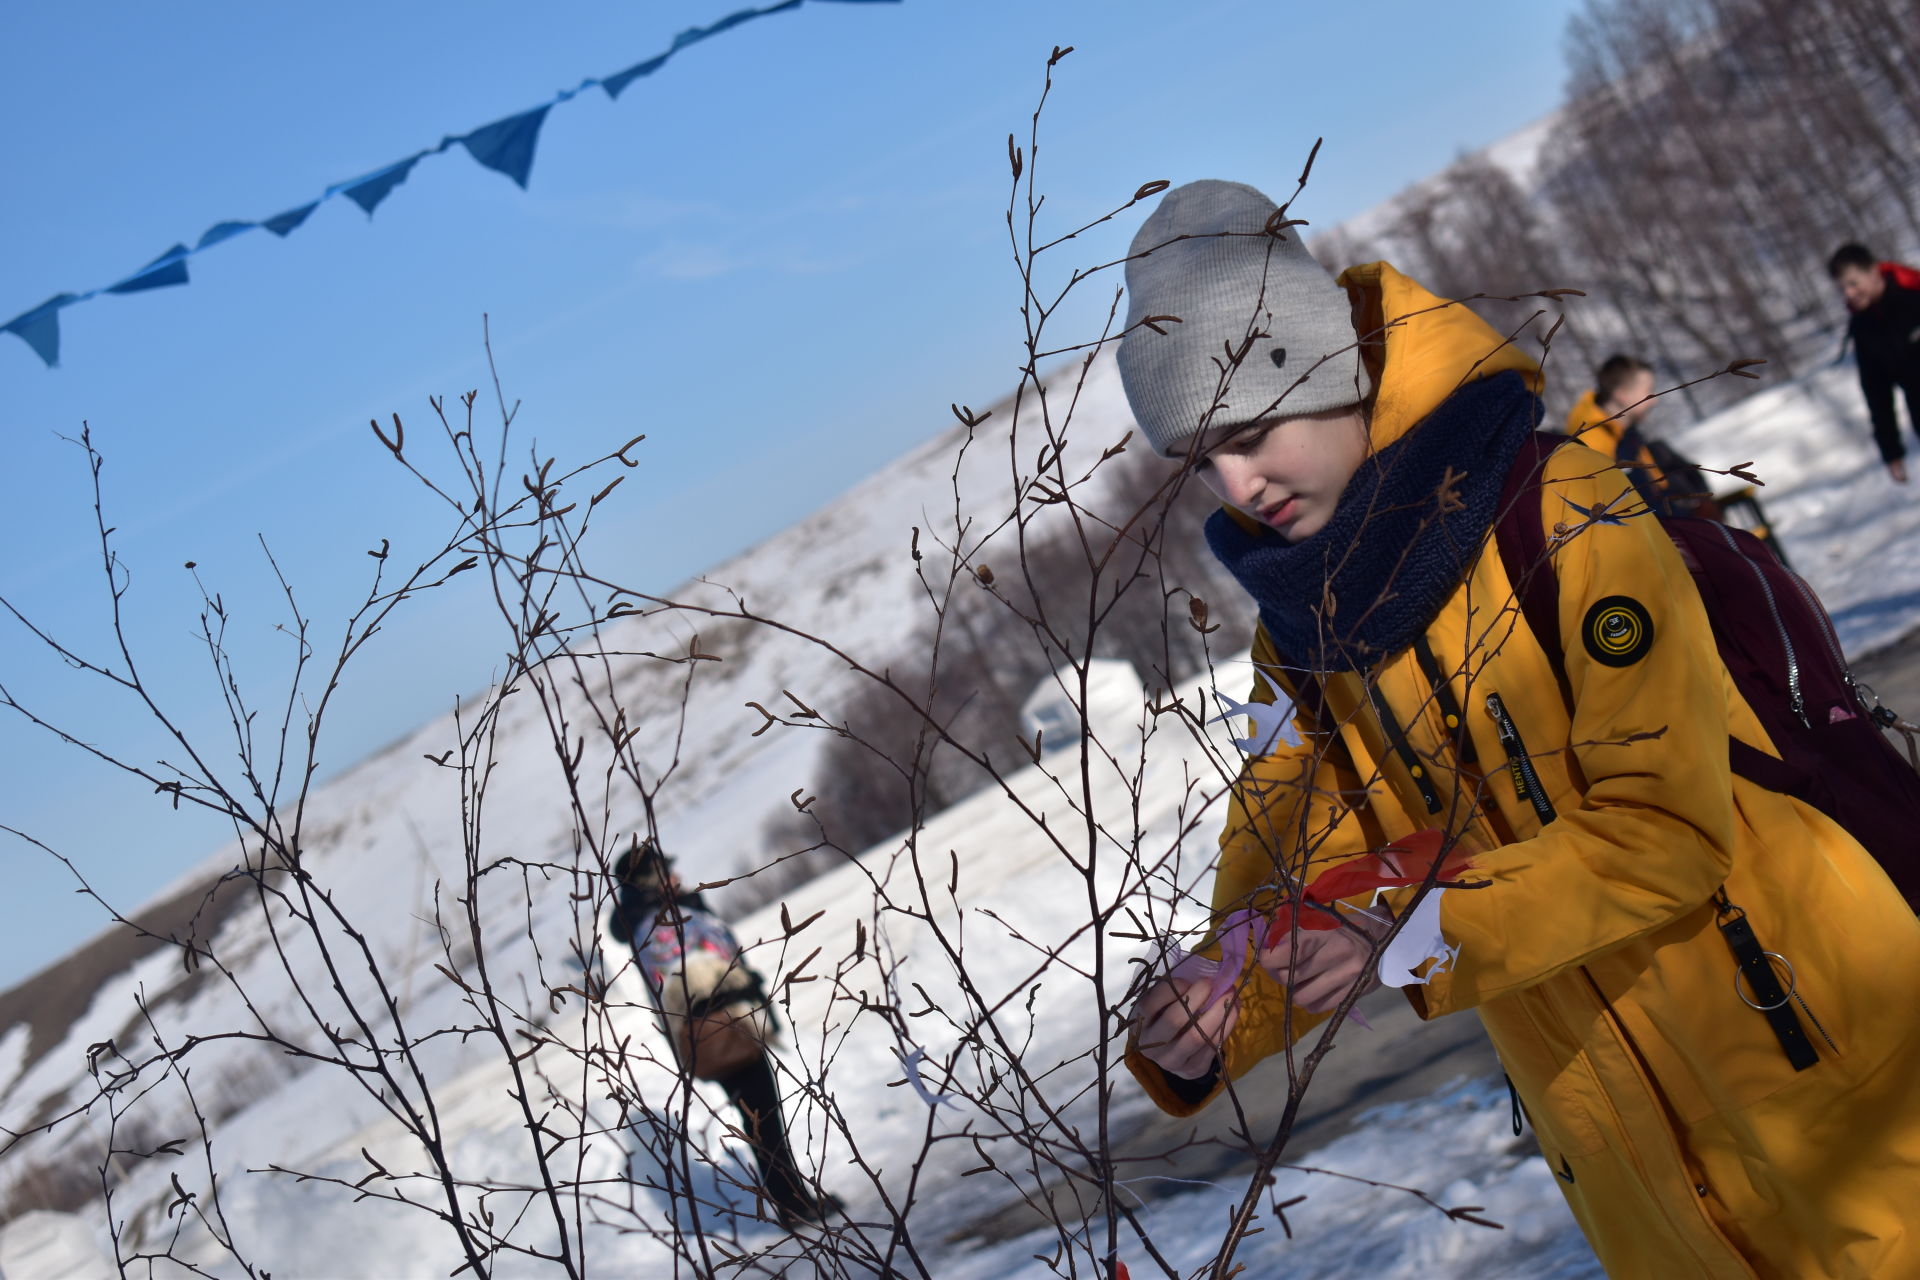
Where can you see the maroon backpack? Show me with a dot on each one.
(1779, 646)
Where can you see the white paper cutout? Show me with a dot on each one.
(1272, 722)
(911, 1061)
(1417, 943)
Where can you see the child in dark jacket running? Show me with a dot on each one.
(1705, 1115)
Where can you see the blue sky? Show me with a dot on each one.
(781, 257)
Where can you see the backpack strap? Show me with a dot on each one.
(1522, 542)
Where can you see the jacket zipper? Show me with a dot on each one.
(1798, 702)
(1465, 755)
(1669, 1133)
(1525, 781)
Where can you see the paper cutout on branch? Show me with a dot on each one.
(912, 1061)
(1418, 941)
(1272, 722)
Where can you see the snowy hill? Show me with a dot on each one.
(1380, 227)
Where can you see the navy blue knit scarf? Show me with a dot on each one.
(1406, 531)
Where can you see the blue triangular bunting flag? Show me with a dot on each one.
(281, 223)
(169, 268)
(618, 81)
(369, 191)
(223, 231)
(694, 35)
(506, 146)
(40, 327)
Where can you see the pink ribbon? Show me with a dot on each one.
(1236, 939)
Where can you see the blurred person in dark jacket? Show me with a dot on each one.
(1885, 330)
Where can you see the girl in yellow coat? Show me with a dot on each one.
(1359, 433)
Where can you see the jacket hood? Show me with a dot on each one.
(1421, 348)
(1588, 423)
(1585, 411)
(1901, 274)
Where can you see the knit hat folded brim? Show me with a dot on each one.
(1246, 324)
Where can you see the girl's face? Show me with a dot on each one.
(1287, 473)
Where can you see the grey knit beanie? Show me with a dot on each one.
(1222, 287)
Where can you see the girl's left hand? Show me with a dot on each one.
(1178, 1030)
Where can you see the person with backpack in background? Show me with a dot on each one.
(713, 1008)
(1704, 989)
(1884, 328)
(1608, 419)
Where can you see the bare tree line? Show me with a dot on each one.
(992, 655)
(1707, 158)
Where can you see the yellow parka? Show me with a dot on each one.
(1684, 1141)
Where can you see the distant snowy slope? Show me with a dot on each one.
(1519, 153)
(847, 573)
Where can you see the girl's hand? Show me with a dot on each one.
(1318, 967)
(1173, 1035)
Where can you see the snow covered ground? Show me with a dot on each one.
(1846, 526)
(1454, 1145)
(387, 830)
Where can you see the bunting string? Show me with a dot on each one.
(505, 146)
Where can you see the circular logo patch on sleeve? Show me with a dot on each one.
(1618, 631)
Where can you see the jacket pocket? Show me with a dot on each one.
(1706, 1050)
(1550, 1069)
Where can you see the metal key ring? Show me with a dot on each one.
(1793, 984)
